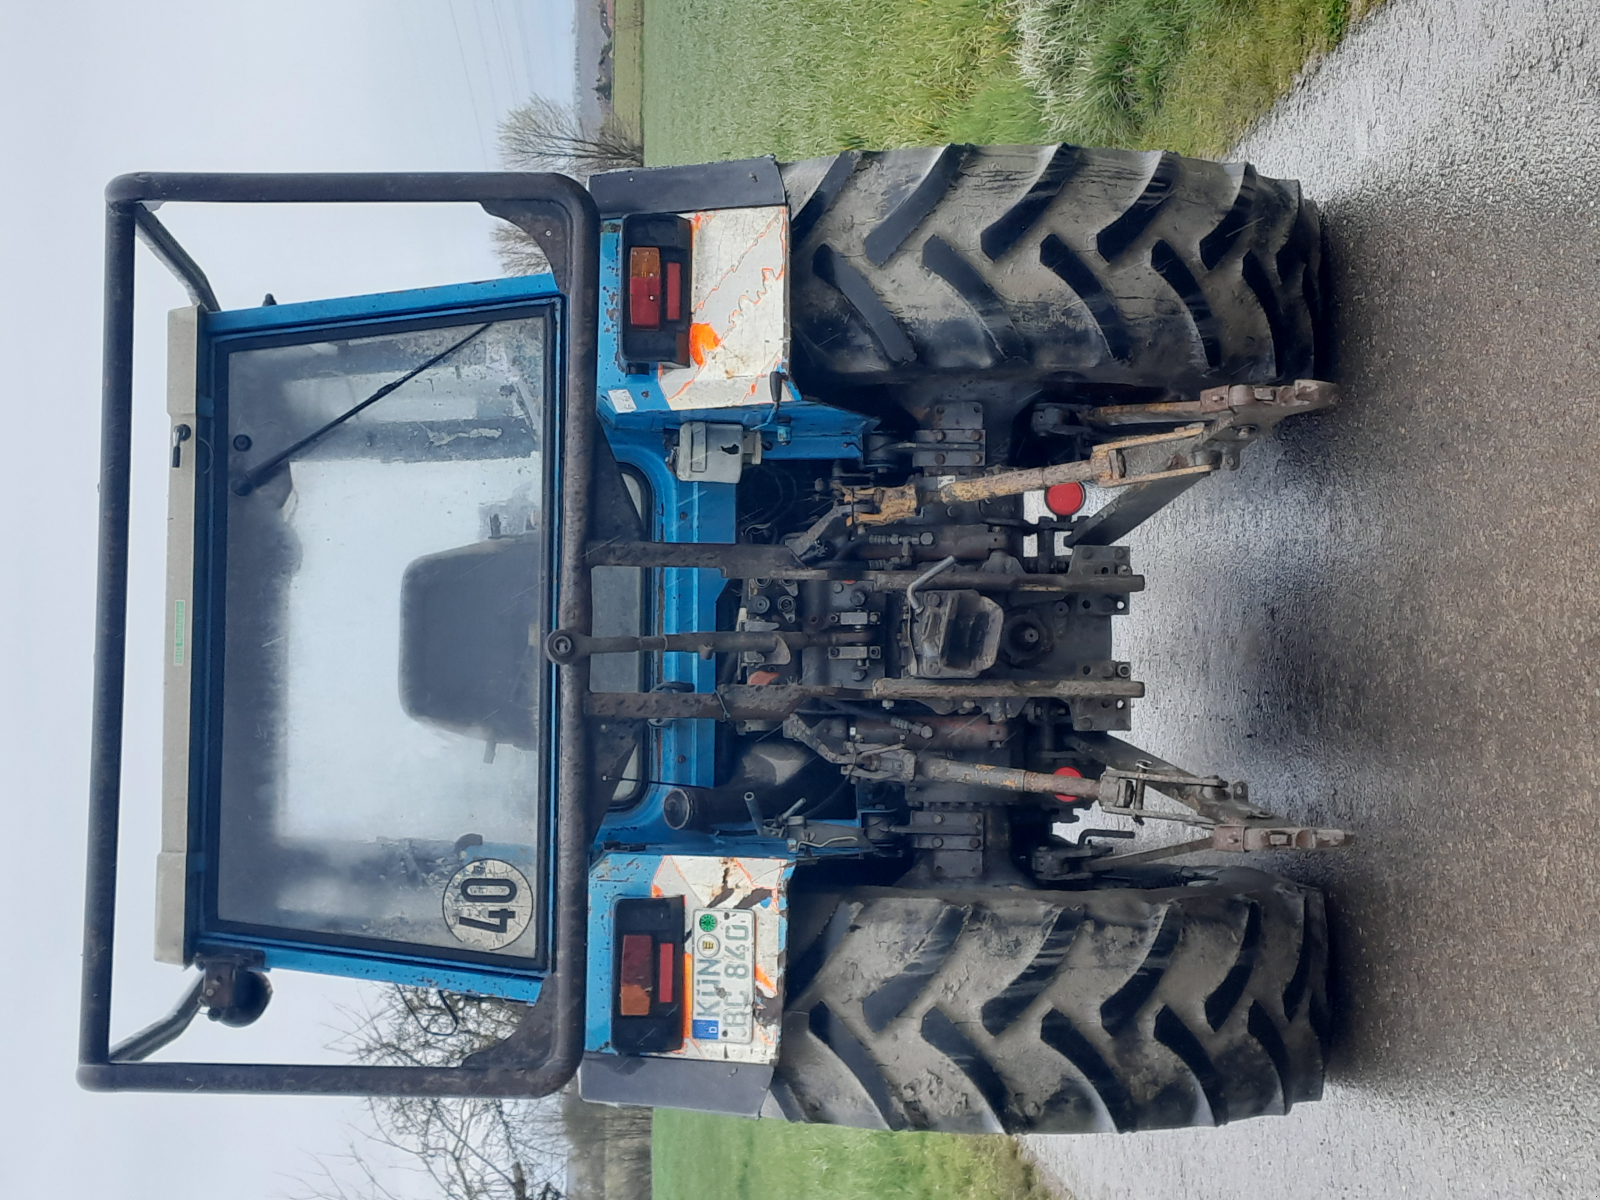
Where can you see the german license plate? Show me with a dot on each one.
(724, 942)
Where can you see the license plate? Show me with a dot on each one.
(724, 997)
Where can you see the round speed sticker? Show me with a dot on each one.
(488, 904)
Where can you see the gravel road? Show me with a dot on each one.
(1389, 620)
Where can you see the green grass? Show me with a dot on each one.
(795, 78)
(698, 1157)
(732, 78)
(1185, 75)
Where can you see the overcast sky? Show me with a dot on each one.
(87, 91)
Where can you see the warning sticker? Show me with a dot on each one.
(488, 904)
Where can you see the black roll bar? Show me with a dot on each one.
(561, 215)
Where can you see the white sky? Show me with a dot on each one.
(87, 91)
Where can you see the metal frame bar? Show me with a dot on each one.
(553, 202)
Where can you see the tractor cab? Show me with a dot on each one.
(361, 763)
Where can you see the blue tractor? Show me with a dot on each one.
(706, 646)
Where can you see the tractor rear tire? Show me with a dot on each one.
(986, 1011)
(1050, 264)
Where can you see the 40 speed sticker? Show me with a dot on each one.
(724, 998)
(488, 904)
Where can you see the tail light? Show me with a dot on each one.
(647, 998)
(655, 319)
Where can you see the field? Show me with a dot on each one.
(733, 78)
(698, 1157)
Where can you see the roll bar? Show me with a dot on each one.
(562, 217)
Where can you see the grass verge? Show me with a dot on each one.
(1185, 75)
(796, 78)
(700, 1157)
(733, 78)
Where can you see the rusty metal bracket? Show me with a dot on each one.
(743, 560)
(1241, 838)
(1214, 799)
(1122, 463)
(1235, 839)
(568, 645)
(1261, 406)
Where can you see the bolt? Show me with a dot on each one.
(938, 842)
(938, 818)
(242, 442)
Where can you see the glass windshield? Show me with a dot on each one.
(380, 777)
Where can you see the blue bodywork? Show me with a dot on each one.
(684, 600)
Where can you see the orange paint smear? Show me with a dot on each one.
(702, 340)
(765, 981)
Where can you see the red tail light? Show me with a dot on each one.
(647, 1012)
(674, 291)
(657, 270)
(668, 973)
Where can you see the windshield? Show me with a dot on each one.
(379, 777)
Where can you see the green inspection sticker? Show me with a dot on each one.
(708, 921)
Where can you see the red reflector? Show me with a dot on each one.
(1071, 772)
(669, 969)
(634, 982)
(644, 287)
(674, 291)
(1064, 499)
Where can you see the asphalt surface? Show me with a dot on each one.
(1389, 620)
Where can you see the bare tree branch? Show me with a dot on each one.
(460, 1148)
(545, 135)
